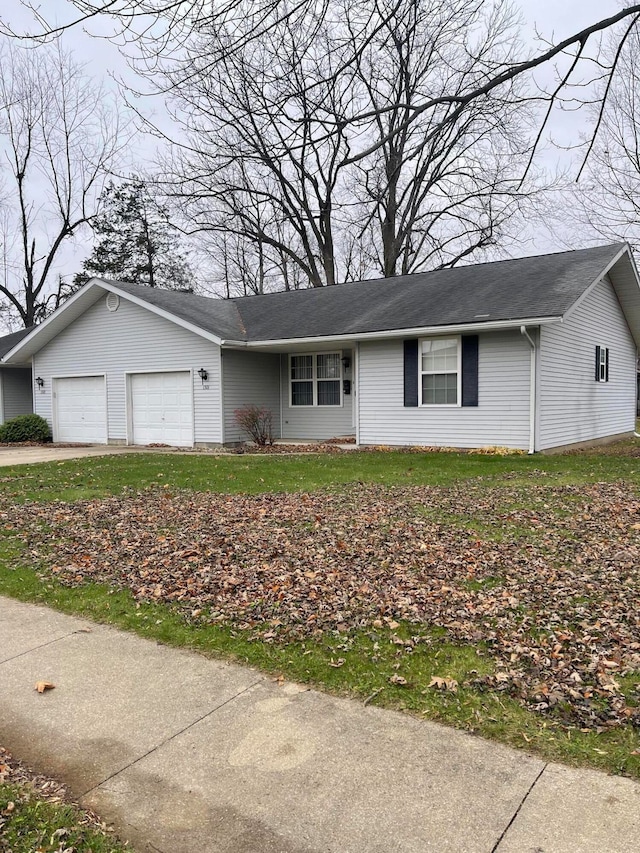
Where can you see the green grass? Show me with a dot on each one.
(359, 664)
(29, 824)
(100, 476)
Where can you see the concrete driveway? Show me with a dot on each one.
(59, 453)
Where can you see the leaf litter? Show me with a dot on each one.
(545, 579)
(28, 786)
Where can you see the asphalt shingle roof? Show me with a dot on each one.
(540, 286)
(219, 316)
(9, 341)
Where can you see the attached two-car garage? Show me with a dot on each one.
(159, 408)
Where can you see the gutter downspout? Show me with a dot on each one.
(532, 391)
(280, 393)
(356, 388)
(636, 434)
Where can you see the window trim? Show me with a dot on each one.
(602, 356)
(314, 380)
(422, 373)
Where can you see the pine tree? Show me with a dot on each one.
(135, 241)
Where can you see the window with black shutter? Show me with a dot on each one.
(441, 371)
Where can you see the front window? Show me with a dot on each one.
(315, 379)
(440, 371)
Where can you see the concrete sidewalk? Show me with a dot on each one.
(188, 755)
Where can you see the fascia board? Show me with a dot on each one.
(387, 334)
(41, 330)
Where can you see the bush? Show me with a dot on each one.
(257, 421)
(25, 428)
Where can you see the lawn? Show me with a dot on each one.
(500, 594)
(36, 816)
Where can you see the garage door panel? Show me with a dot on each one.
(162, 408)
(80, 408)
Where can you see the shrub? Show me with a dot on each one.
(25, 428)
(257, 421)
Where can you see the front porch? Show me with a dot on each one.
(310, 394)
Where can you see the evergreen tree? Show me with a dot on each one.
(135, 241)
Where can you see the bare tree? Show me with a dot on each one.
(433, 198)
(196, 37)
(266, 146)
(608, 195)
(268, 134)
(242, 267)
(159, 30)
(58, 138)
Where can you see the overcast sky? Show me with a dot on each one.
(553, 19)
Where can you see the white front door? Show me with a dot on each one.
(80, 407)
(162, 408)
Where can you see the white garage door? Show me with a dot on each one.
(81, 409)
(162, 408)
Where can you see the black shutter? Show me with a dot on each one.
(469, 370)
(606, 365)
(597, 364)
(411, 372)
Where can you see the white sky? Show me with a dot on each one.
(553, 19)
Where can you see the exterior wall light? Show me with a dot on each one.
(202, 373)
(40, 382)
(346, 362)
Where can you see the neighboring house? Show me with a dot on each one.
(533, 353)
(16, 391)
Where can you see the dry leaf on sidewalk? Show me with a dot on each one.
(41, 686)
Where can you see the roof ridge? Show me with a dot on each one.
(411, 275)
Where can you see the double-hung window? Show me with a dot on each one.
(315, 379)
(440, 371)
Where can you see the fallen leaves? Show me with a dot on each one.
(30, 791)
(546, 579)
(13, 772)
(440, 683)
(43, 686)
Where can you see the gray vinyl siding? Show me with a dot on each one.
(500, 419)
(315, 422)
(131, 339)
(249, 378)
(17, 392)
(573, 406)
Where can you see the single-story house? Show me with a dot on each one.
(16, 392)
(533, 353)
